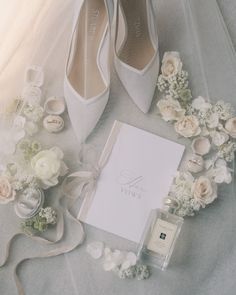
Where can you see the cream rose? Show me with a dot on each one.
(170, 109)
(48, 166)
(204, 191)
(230, 127)
(171, 64)
(7, 194)
(188, 126)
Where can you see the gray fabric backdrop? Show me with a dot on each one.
(204, 261)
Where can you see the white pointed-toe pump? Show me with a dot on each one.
(87, 77)
(136, 50)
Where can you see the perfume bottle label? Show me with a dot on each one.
(162, 237)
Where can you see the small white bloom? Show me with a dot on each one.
(219, 138)
(212, 121)
(224, 110)
(188, 126)
(171, 64)
(200, 104)
(170, 109)
(230, 127)
(227, 150)
(220, 173)
(33, 112)
(49, 214)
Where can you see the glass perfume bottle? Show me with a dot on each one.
(160, 235)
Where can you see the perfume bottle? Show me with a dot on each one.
(160, 235)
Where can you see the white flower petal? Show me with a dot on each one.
(95, 249)
(118, 257)
(107, 251)
(108, 265)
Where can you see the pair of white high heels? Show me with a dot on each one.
(136, 58)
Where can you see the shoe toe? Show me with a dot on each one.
(140, 85)
(84, 114)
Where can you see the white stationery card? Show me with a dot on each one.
(137, 170)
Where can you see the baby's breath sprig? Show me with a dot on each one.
(40, 222)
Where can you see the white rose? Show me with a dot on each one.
(170, 109)
(171, 64)
(48, 166)
(200, 104)
(7, 194)
(188, 126)
(204, 191)
(219, 138)
(220, 173)
(230, 126)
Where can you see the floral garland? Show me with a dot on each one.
(27, 169)
(212, 129)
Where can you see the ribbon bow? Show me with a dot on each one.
(82, 184)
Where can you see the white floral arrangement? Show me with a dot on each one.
(26, 168)
(211, 127)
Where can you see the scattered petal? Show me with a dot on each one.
(95, 249)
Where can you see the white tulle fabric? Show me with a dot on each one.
(194, 28)
(33, 32)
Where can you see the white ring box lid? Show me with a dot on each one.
(54, 106)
